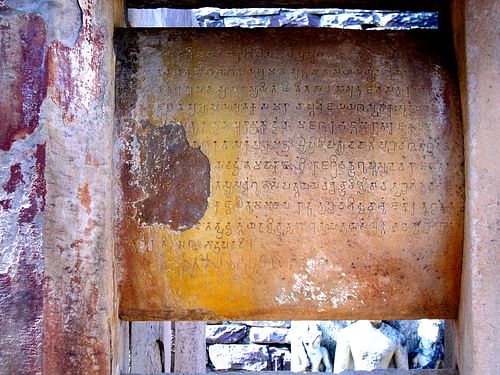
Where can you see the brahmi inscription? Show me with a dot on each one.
(335, 164)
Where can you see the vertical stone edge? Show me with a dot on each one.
(80, 325)
(22, 191)
(476, 33)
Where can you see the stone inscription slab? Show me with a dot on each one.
(287, 174)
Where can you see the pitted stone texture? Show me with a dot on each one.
(269, 335)
(225, 334)
(239, 357)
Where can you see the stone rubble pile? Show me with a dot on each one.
(330, 17)
(249, 345)
(266, 345)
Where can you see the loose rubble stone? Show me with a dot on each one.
(296, 18)
(268, 335)
(267, 323)
(264, 21)
(239, 357)
(245, 12)
(212, 23)
(412, 20)
(207, 13)
(361, 20)
(225, 334)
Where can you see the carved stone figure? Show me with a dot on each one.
(368, 345)
(307, 352)
(430, 350)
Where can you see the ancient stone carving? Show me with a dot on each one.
(297, 177)
(368, 345)
(307, 352)
(430, 350)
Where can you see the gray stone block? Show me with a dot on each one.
(239, 357)
(245, 12)
(269, 335)
(248, 22)
(225, 334)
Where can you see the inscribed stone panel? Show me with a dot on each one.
(278, 174)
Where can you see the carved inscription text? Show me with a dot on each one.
(336, 175)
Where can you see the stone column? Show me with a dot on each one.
(57, 288)
(477, 42)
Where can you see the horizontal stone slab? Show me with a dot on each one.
(250, 357)
(269, 335)
(224, 334)
(288, 174)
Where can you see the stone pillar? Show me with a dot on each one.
(477, 42)
(57, 289)
(190, 354)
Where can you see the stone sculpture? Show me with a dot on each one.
(430, 350)
(368, 345)
(307, 352)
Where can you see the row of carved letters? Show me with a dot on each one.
(338, 127)
(333, 167)
(313, 108)
(329, 188)
(224, 238)
(329, 207)
(262, 89)
(315, 145)
(281, 229)
(314, 73)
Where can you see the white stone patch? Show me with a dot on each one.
(305, 288)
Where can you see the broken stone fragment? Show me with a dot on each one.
(225, 334)
(250, 357)
(245, 12)
(267, 323)
(269, 335)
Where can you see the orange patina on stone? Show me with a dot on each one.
(277, 174)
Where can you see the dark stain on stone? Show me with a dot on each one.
(175, 177)
(21, 304)
(22, 51)
(127, 50)
(38, 190)
(6, 204)
(16, 178)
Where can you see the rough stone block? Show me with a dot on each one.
(248, 22)
(225, 334)
(296, 18)
(245, 12)
(269, 335)
(239, 357)
(267, 323)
